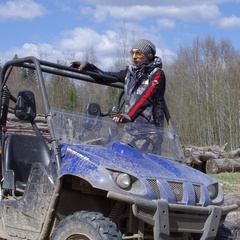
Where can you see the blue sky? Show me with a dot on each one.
(63, 30)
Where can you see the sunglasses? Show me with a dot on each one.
(138, 53)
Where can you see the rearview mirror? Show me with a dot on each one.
(93, 112)
(25, 108)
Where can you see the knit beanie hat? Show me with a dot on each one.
(146, 47)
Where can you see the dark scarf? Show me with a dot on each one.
(139, 70)
(146, 67)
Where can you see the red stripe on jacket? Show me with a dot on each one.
(145, 96)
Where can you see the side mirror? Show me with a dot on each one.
(25, 108)
(93, 109)
(93, 112)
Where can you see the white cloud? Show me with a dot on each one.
(192, 13)
(167, 13)
(79, 39)
(143, 2)
(173, 10)
(166, 23)
(21, 9)
(187, 10)
(230, 22)
(41, 51)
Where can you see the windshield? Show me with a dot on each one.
(80, 129)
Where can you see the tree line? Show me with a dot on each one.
(203, 85)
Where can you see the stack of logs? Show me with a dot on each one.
(14, 125)
(212, 159)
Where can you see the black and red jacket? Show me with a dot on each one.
(144, 95)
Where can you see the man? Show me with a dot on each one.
(144, 85)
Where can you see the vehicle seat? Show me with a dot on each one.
(21, 151)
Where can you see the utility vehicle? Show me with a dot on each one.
(83, 176)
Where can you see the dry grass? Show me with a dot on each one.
(229, 181)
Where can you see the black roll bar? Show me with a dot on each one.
(41, 67)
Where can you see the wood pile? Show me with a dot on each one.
(14, 125)
(213, 159)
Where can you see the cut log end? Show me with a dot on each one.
(214, 166)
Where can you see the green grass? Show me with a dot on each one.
(229, 181)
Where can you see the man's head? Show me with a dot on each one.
(143, 50)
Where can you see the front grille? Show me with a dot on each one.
(144, 212)
(197, 190)
(184, 222)
(155, 187)
(179, 221)
(177, 189)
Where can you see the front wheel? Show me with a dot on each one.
(86, 225)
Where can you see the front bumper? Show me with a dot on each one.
(169, 218)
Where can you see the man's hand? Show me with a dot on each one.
(80, 65)
(124, 118)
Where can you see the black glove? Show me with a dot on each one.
(80, 65)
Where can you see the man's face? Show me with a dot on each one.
(138, 57)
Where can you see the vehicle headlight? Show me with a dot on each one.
(127, 182)
(213, 190)
(123, 180)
